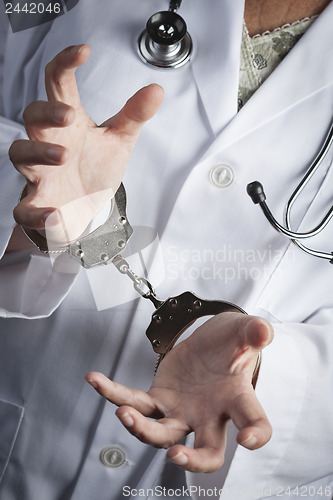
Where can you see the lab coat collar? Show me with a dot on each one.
(217, 34)
(291, 82)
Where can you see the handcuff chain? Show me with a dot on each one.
(62, 250)
(123, 267)
(138, 281)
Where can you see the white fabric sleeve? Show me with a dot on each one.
(11, 181)
(31, 286)
(295, 385)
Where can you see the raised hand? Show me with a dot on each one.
(201, 384)
(72, 166)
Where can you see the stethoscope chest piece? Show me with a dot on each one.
(165, 43)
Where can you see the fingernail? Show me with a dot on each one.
(180, 459)
(75, 49)
(127, 420)
(54, 154)
(60, 114)
(92, 383)
(250, 442)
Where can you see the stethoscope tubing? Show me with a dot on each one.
(256, 191)
(312, 169)
(293, 234)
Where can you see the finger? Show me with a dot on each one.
(162, 433)
(45, 114)
(121, 395)
(249, 417)
(138, 109)
(24, 154)
(253, 334)
(208, 452)
(60, 82)
(27, 215)
(258, 333)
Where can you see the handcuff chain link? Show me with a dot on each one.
(138, 281)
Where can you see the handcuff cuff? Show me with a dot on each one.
(173, 316)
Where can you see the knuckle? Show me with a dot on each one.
(141, 436)
(269, 433)
(16, 214)
(27, 112)
(31, 110)
(167, 444)
(219, 463)
(196, 468)
(212, 466)
(21, 216)
(49, 69)
(12, 151)
(54, 73)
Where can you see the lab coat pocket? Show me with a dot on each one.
(10, 420)
(300, 287)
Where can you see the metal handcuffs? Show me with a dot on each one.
(173, 316)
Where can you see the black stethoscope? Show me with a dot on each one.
(165, 43)
(256, 191)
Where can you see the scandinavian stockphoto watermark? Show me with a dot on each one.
(226, 264)
(179, 268)
(158, 261)
(169, 493)
(24, 15)
(285, 491)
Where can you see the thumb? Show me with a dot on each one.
(138, 109)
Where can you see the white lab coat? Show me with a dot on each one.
(58, 325)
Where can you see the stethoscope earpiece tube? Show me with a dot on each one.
(257, 194)
(256, 191)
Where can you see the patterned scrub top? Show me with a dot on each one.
(261, 54)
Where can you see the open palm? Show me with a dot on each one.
(201, 384)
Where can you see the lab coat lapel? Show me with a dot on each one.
(217, 41)
(292, 81)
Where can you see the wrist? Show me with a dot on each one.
(99, 244)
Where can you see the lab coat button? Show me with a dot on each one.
(112, 456)
(221, 176)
